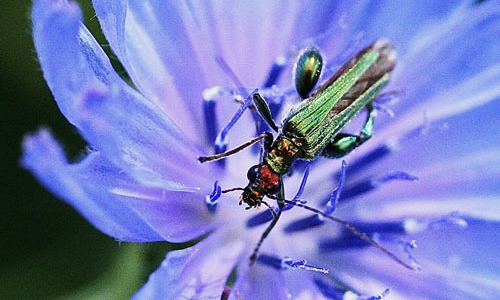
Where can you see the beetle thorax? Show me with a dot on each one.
(282, 154)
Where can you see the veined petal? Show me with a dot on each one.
(129, 130)
(69, 62)
(134, 134)
(198, 272)
(467, 74)
(170, 50)
(110, 199)
(46, 160)
(161, 64)
(377, 19)
(259, 282)
(464, 184)
(454, 264)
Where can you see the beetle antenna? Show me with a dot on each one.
(353, 229)
(232, 189)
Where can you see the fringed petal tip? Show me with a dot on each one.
(111, 199)
(42, 9)
(43, 156)
(39, 151)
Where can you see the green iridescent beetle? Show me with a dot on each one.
(313, 127)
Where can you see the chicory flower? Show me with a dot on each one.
(140, 180)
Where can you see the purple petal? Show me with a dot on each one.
(111, 200)
(129, 130)
(198, 272)
(456, 264)
(170, 50)
(163, 64)
(259, 282)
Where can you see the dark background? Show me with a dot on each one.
(47, 250)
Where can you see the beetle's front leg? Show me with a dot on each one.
(344, 143)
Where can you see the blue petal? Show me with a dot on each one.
(110, 199)
(259, 282)
(129, 130)
(162, 63)
(170, 50)
(456, 264)
(398, 21)
(451, 66)
(198, 272)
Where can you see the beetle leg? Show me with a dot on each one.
(344, 143)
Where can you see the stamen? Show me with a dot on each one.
(276, 71)
(304, 223)
(334, 198)
(349, 240)
(260, 218)
(406, 246)
(412, 226)
(378, 232)
(329, 290)
(287, 263)
(367, 185)
(354, 230)
(317, 220)
(221, 141)
(372, 157)
(380, 296)
(334, 291)
(301, 187)
(302, 264)
(212, 199)
(210, 116)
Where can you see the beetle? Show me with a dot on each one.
(313, 127)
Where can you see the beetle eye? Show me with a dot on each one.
(253, 172)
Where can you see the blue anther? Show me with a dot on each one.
(395, 176)
(371, 157)
(453, 218)
(347, 242)
(394, 227)
(367, 185)
(304, 224)
(301, 264)
(210, 116)
(275, 107)
(212, 199)
(334, 198)
(276, 71)
(329, 290)
(302, 183)
(284, 263)
(260, 218)
(315, 220)
(300, 190)
(221, 140)
(361, 187)
(270, 261)
(380, 296)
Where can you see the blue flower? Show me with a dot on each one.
(141, 182)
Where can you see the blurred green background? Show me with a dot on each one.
(47, 250)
